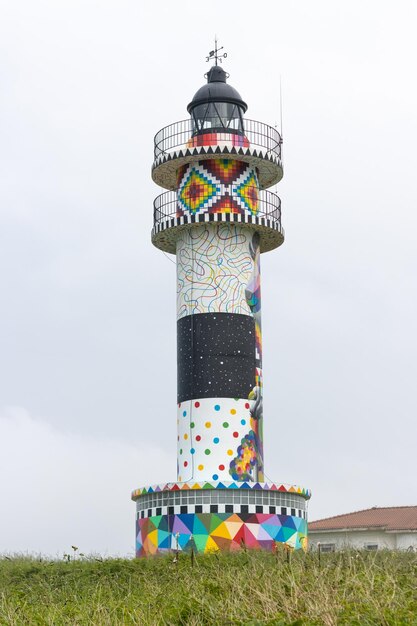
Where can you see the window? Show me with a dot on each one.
(217, 116)
(289, 502)
(327, 547)
(371, 546)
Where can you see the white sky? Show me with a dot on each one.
(87, 315)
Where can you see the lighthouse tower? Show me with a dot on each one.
(217, 218)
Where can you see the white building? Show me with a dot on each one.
(394, 528)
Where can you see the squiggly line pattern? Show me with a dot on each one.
(214, 266)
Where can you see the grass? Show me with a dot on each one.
(252, 589)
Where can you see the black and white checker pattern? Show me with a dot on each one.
(246, 501)
(267, 163)
(219, 508)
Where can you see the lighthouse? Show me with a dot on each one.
(217, 218)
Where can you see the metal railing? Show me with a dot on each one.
(166, 207)
(181, 135)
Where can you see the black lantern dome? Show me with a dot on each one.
(217, 106)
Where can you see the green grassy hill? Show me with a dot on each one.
(250, 588)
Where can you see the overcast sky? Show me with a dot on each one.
(87, 315)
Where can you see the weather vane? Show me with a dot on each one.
(214, 54)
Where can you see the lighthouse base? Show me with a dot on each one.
(225, 517)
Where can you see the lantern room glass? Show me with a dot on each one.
(217, 117)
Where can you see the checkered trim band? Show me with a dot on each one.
(184, 509)
(164, 234)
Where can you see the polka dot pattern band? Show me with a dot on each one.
(216, 440)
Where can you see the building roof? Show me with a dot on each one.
(217, 90)
(385, 518)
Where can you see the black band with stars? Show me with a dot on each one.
(216, 356)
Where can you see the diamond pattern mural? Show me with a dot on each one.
(247, 193)
(217, 186)
(196, 191)
(225, 170)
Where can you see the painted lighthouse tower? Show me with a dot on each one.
(217, 218)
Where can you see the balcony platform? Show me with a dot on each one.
(176, 145)
(167, 226)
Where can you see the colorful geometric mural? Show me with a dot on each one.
(227, 171)
(242, 466)
(232, 140)
(217, 186)
(253, 298)
(196, 191)
(248, 193)
(207, 532)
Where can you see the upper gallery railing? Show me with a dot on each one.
(182, 135)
